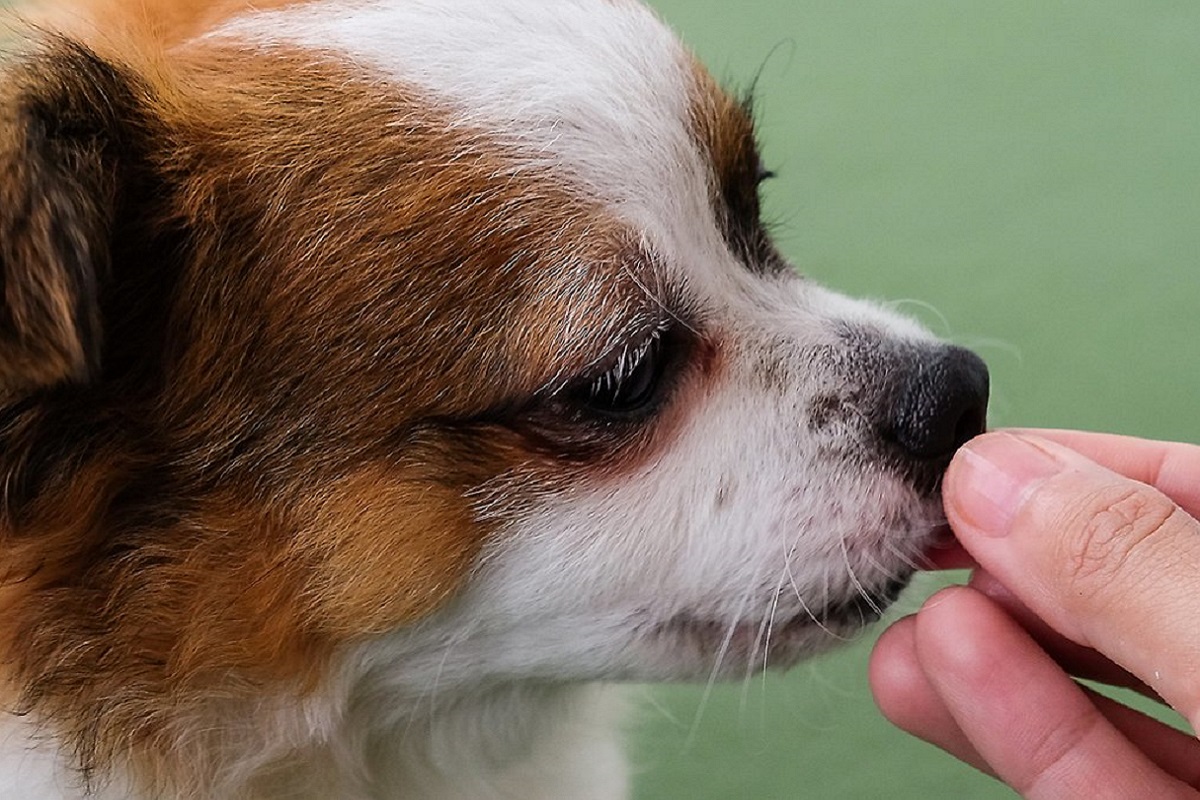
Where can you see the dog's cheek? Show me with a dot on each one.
(388, 548)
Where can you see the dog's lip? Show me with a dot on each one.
(859, 610)
(946, 552)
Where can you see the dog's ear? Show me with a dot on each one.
(65, 118)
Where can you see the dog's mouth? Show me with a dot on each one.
(945, 552)
(867, 605)
(781, 638)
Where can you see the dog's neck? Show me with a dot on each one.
(519, 741)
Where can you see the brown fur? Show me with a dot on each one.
(255, 466)
(57, 203)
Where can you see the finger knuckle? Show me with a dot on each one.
(1116, 524)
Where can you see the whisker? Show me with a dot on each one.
(762, 637)
(854, 578)
(880, 567)
(905, 558)
(722, 651)
(899, 305)
(803, 605)
(651, 699)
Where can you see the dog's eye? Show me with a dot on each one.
(630, 387)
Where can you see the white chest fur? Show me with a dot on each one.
(511, 745)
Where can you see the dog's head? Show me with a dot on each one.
(447, 335)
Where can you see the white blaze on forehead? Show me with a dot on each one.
(600, 88)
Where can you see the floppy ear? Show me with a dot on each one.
(63, 118)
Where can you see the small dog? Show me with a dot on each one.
(384, 381)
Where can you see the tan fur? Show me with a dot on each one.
(162, 23)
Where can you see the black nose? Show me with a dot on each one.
(941, 404)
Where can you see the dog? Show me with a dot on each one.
(383, 383)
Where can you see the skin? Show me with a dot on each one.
(1087, 556)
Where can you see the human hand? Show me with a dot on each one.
(1089, 555)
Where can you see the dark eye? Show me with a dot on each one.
(628, 388)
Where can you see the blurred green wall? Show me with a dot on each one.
(1028, 174)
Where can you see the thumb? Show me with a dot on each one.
(1109, 562)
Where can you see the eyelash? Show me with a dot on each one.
(631, 387)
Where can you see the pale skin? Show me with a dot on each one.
(1087, 555)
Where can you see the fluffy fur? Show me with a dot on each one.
(383, 381)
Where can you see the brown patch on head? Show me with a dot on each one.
(724, 130)
(328, 314)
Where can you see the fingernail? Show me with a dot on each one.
(991, 478)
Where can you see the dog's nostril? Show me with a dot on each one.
(942, 404)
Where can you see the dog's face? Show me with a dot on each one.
(449, 331)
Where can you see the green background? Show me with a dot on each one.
(1027, 175)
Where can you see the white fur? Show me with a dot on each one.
(33, 768)
(744, 523)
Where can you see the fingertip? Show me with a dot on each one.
(936, 604)
(952, 633)
(909, 655)
(901, 689)
(907, 698)
(991, 478)
(894, 675)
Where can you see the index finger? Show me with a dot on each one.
(1171, 467)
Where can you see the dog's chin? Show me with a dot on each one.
(690, 646)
